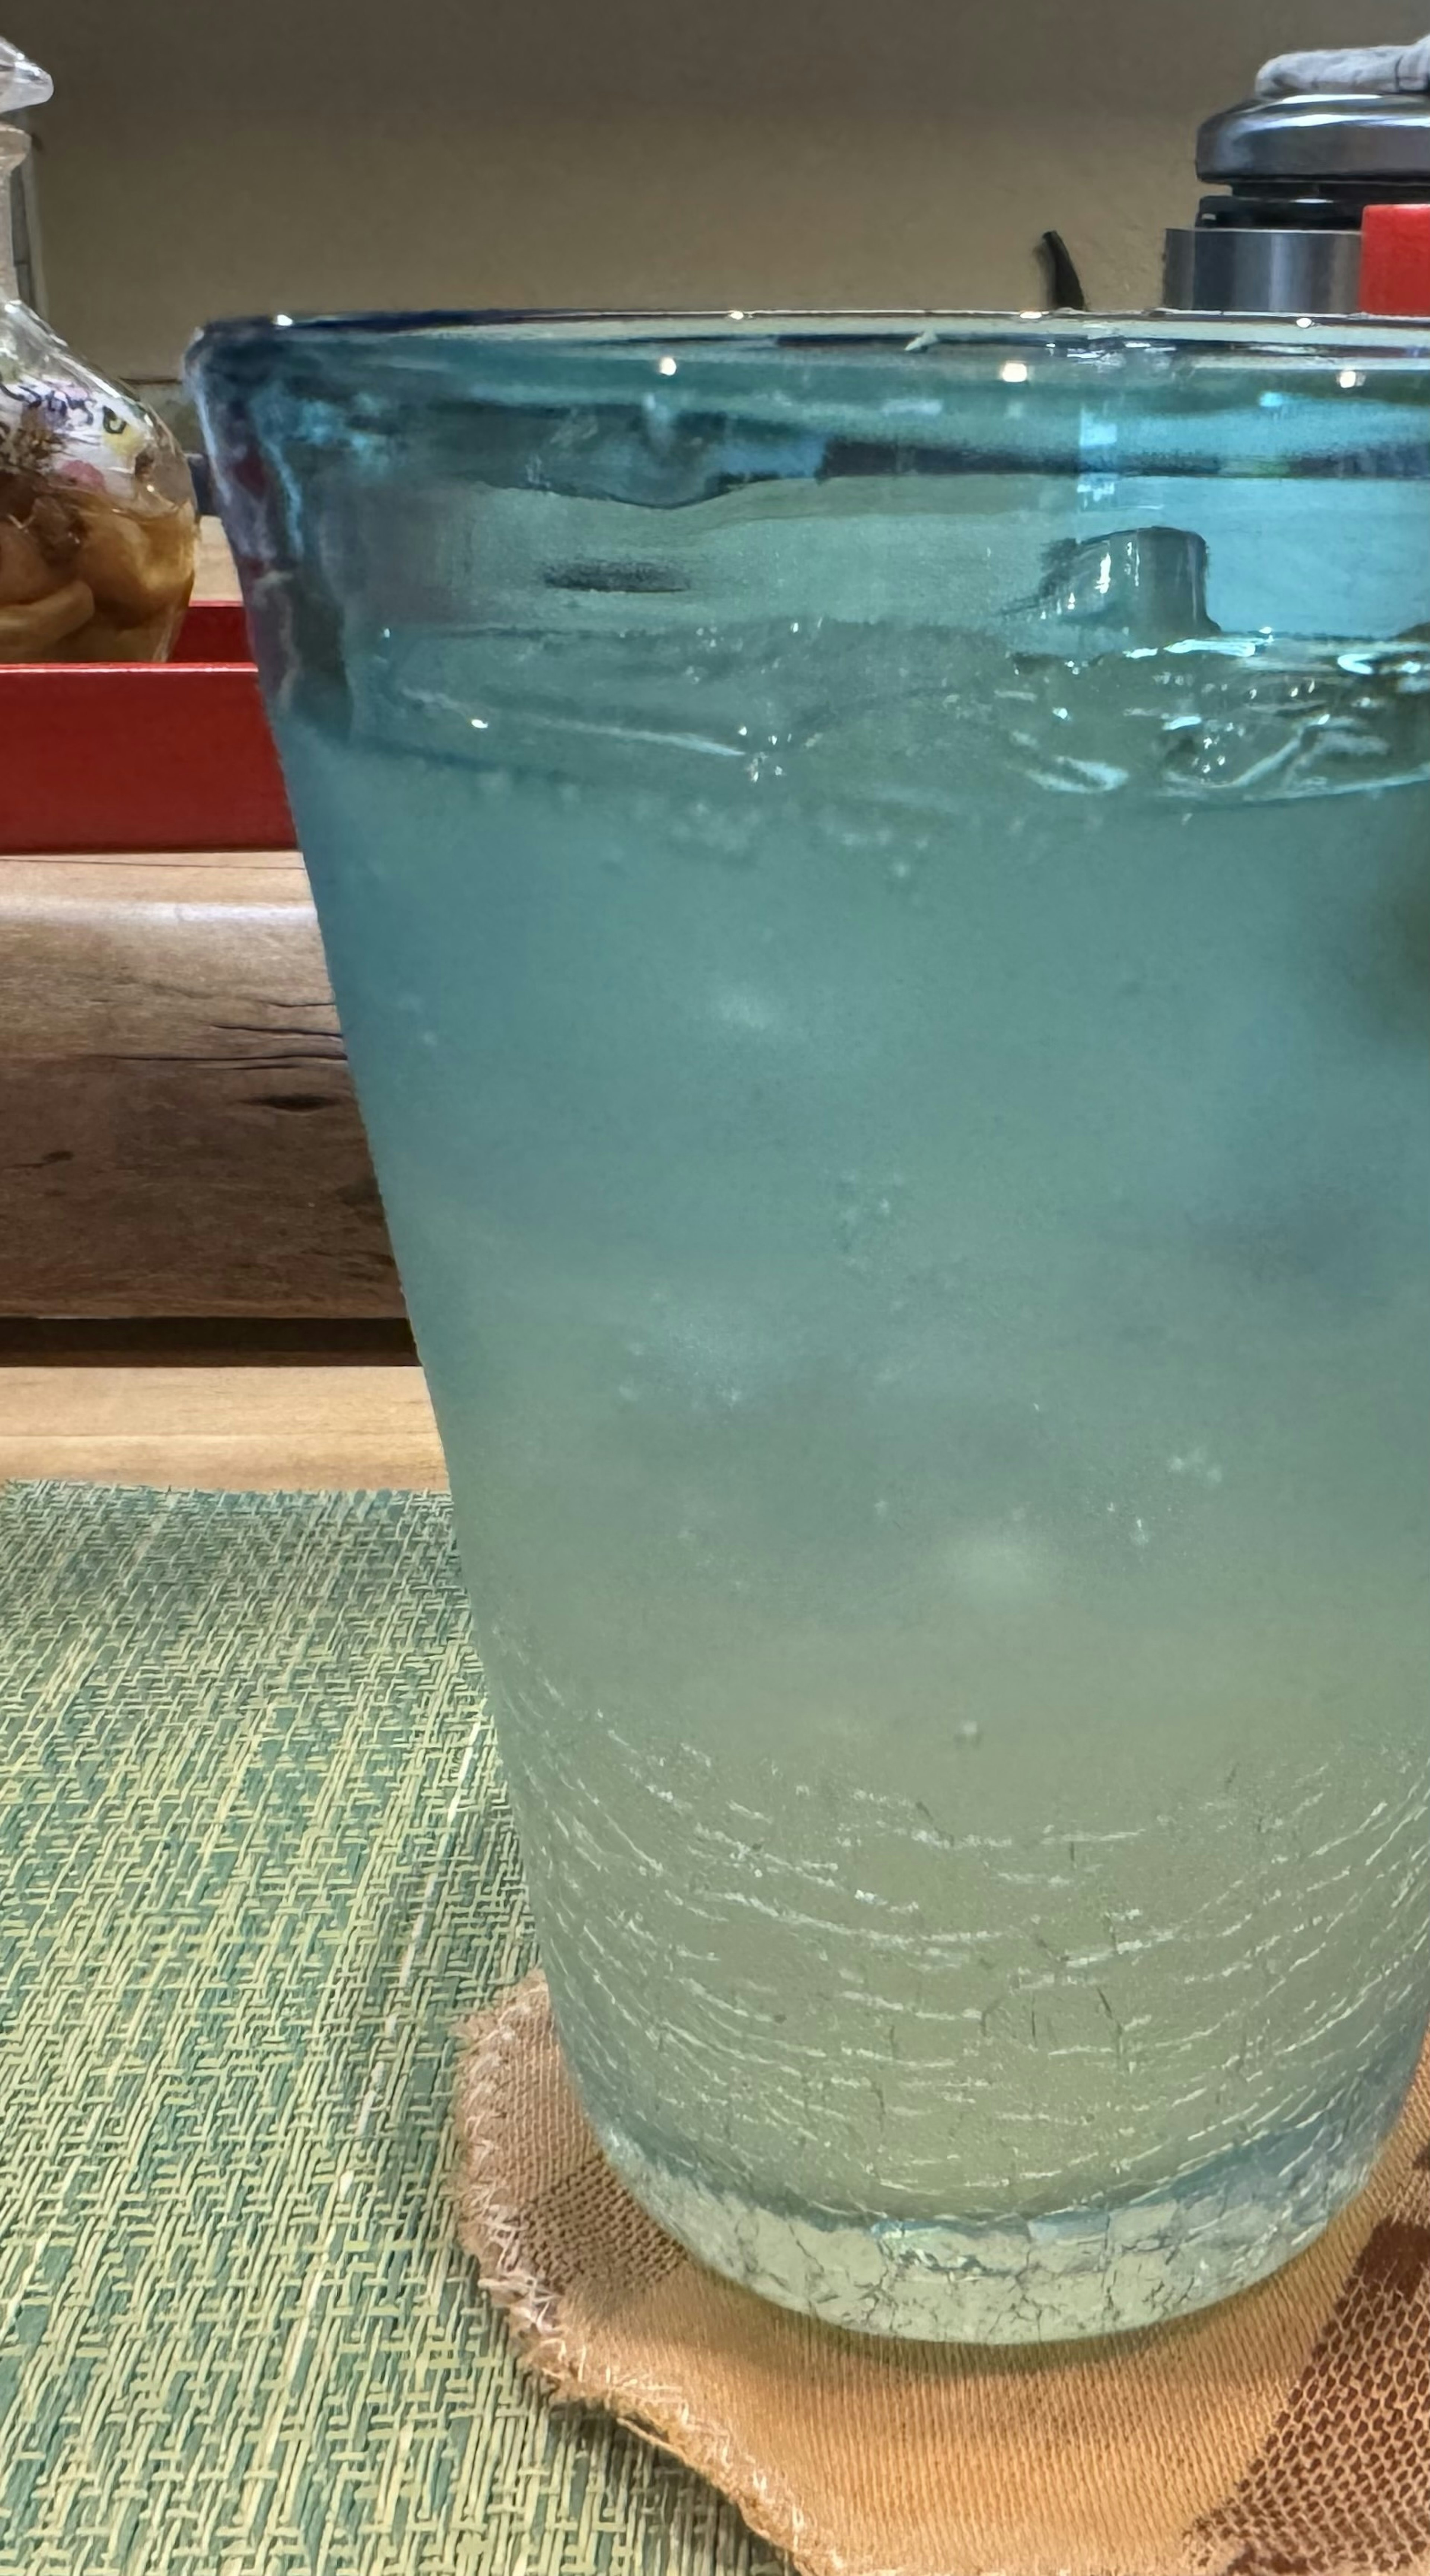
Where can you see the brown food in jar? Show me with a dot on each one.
(109, 639)
(53, 522)
(135, 563)
(26, 572)
(30, 630)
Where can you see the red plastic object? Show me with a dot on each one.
(142, 755)
(1395, 260)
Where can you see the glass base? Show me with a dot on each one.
(1100, 2270)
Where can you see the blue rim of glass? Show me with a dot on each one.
(851, 327)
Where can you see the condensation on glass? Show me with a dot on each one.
(878, 882)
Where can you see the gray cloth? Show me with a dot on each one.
(1358, 67)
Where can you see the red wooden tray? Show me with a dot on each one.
(142, 755)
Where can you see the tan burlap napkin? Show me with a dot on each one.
(1286, 2433)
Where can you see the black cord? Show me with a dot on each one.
(1066, 292)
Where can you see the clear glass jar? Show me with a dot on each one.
(98, 531)
(877, 875)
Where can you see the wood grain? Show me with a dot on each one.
(221, 1428)
(214, 577)
(178, 1132)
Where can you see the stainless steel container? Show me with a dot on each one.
(1295, 176)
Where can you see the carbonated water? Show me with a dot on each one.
(909, 1148)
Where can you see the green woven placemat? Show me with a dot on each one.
(254, 1862)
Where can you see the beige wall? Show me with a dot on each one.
(235, 155)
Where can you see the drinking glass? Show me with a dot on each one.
(877, 877)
